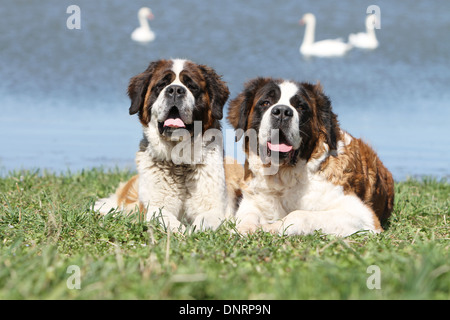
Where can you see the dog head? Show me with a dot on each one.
(290, 119)
(174, 93)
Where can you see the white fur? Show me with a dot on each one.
(288, 89)
(314, 164)
(298, 200)
(159, 106)
(177, 67)
(196, 193)
(106, 205)
(171, 193)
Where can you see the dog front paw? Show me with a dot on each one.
(246, 228)
(275, 227)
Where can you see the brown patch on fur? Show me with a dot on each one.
(140, 86)
(214, 94)
(359, 171)
(322, 126)
(210, 102)
(240, 107)
(128, 192)
(234, 111)
(248, 174)
(128, 196)
(234, 174)
(356, 168)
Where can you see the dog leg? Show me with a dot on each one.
(338, 222)
(247, 217)
(165, 219)
(207, 220)
(106, 205)
(207, 203)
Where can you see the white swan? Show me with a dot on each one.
(324, 48)
(368, 39)
(143, 33)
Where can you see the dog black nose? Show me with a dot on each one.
(282, 112)
(175, 92)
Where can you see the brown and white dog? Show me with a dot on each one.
(180, 174)
(304, 173)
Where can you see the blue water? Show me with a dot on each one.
(63, 102)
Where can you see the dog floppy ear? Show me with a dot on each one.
(137, 89)
(240, 107)
(217, 91)
(326, 115)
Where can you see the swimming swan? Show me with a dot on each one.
(368, 39)
(143, 33)
(324, 48)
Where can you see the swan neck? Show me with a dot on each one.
(309, 32)
(144, 22)
(371, 32)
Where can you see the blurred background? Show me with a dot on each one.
(63, 102)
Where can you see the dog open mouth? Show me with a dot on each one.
(280, 147)
(172, 122)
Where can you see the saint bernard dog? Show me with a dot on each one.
(181, 174)
(304, 173)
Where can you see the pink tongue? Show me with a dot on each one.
(174, 123)
(279, 147)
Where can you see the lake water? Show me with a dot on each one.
(63, 102)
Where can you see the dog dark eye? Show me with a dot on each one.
(190, 84)
(303, 106)
(299, 103)
(160, 86)
(192, 87)
(265, 104)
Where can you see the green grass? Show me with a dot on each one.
(46, 225)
